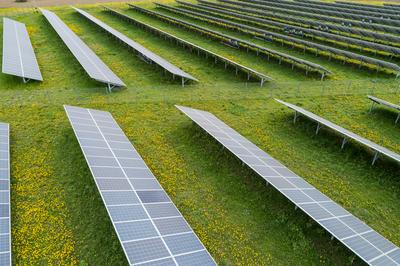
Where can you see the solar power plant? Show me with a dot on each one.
(18, 56)
(386, 103)
(5, 207)
(272, 36)
(236, 42)
(149, 227)
(329, 27)
(144, 52)
(92, 64)
(249, 72)
(378, 150)
(295, 6)
(366, 243)
(317, 16)
(284, 27)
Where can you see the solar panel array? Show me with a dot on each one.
(313, 33)
(281, 38)
(18, 56)
(386, 103)
(5, 207)
(174, 70)
(150, 228)
(346, 133)
(308, 65)
(366, 243)
(250, 72)
(92, 64)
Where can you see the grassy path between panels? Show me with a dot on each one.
(57, 213)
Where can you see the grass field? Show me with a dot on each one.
(57, 213)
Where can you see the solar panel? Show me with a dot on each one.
(18, 56)
(150, 228)
(145, 53)
(92, 64)
(5, 208)
(366, 243)
(386, 103)
(346, 133)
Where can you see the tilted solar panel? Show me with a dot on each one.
(5, 207)
(386, 103)
(18, 56)
(366, 243)
(92, 64)
(346, 133)
(150, 228)
(174, 70)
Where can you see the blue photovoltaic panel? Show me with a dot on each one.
(92, 64)
(386, 103)
(18, 56)
(5, 209)
(366, 243)
(139, 48)
(150, 228)
(346, 133)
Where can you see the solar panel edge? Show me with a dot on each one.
(161, 236)
(184, 110)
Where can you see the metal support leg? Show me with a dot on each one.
(376, 155)
(319, 126)
(397, 119)
(295, 117)
(344, 143)
(372, 107)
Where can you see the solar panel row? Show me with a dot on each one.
(386, 103)
(92, 64)
(346, 133)
(366, 243)
(150, 228)
(18, 56)
(249, 72)
(5, 208)
(174, 70)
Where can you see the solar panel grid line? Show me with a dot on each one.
(317, 16)
(294, 6)
(167, 66)
(346, 133)
(19, 58)
(288, 40)
(374, 36)
(5, 213)
(124, 224)
(207, 119)
(308, 32)
(309, 66)
(89, 61)
(376, 100)
(262, 77)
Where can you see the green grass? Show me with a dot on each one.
(57, 213)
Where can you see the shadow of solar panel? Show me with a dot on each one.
(348, 229)
(141, 212)
(18, 56)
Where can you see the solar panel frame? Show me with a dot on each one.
(19, 58)
(346, 133)
(376, 100)
(174, 70)
(140, 214)
(5, 203)
(328, 214)
(90, 62)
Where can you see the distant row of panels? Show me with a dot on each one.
(151, 229)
